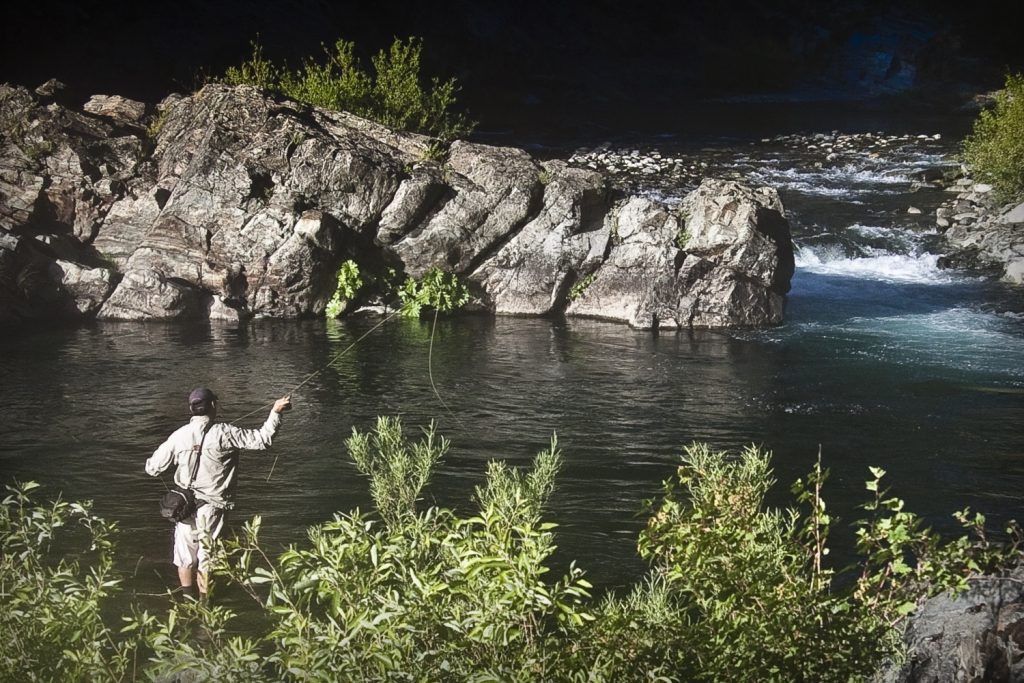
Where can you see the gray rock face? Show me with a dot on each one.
(566, 241)
(981, 233)
(88, 287)
(118, 109)
(978, 636)
(245, 206)
(493, 191)
(725, 261)
(231, 215)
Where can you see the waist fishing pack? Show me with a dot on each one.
(178, 504)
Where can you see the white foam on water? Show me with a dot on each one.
(667, 198)
(878, 231)
(844, 181)
(882, 266)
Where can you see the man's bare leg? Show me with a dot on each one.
(185, 575)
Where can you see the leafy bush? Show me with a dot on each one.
(398, 471)
(56, 570)
(995, 149)
(427, 595)
(258, 72)
(436, 290)
(736, 590)
(349, 284)
(750, 589)
(580, 286)
(392, 93)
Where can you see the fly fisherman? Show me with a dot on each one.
(217, 447)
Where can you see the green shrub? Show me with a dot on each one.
(736, 591)
(682, 237)
(349, 284)
(338, 83)
(995, 148)
(436, 290)
(580, 286)
(398, 471)
(391, 94)
(56, 571)
(427, 595)
(750, 588)
(156, 124)
(258, 72)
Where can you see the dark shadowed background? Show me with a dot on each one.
(551, 68)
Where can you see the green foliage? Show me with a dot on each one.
(682, 237)
(426, 596)
(398, 471)
(750, 588)
(391, 93)
(56, 569)
(436, 151)
(905, 560)
(683, 234)
(338, 83)
(156, 124)
(193, 642)
(38, 150)
(995, 149)
(349, 284)
(436, 290)
(576, 291)
(258, 72)
(736, 591)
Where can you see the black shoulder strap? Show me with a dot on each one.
(199, 455)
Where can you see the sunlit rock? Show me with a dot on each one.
(244, 206)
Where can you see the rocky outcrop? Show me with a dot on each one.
(724, 260)
(229, 204)
(981, 232)
(977, 636)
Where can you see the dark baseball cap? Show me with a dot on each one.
(201, 395)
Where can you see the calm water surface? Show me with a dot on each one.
(883, 360)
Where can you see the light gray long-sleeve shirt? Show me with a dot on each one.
(217, 474)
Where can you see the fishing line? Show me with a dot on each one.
(331, 361)
(430, 371)
(318, 371)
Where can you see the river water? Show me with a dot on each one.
(883, 360)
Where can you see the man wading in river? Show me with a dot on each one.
(217, 446)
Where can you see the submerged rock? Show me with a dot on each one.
(245, 205)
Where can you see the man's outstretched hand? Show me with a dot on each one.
(282, 404)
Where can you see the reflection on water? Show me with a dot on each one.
(86, 407)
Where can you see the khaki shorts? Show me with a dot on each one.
(193, 537)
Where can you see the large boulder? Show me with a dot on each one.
(566, 241)
(724, 260)
(981, 233)
(252, 202)
(492, 193)
(60, 170)
(36, 286)
(88, 287)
